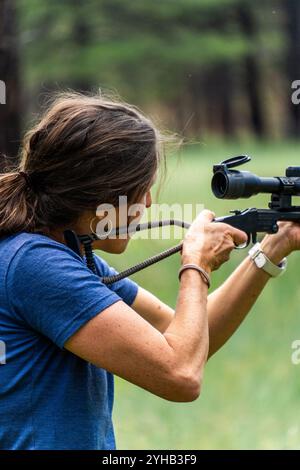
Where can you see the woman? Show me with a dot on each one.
(66, 333)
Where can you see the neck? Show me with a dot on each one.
(58, 236)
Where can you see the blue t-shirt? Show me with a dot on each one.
(49, 397)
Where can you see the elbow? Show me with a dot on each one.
(192, 390)
(186, 386)
(191, 394)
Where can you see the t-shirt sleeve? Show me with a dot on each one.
(53, 291)
(126, 288)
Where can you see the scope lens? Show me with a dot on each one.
(219, 184)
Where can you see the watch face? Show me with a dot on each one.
(260, 260)
(254, 251)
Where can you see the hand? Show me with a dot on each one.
(209, 244)
(282, 243)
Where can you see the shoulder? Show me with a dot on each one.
(26, 244)
(37, 255)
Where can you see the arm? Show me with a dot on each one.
(167, 365)
(230, 303)
(236, 295)
(171, 364)
(240, 291)
(152, 309)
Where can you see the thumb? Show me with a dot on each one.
(206, 216)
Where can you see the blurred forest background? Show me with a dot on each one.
(205, 67)
(218, 72)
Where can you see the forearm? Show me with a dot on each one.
(187, 332)
(230, 303)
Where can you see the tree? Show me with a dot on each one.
(292, 8)
(9, 72)
(200, 63)
(252, 68)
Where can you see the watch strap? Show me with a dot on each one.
(257, 254)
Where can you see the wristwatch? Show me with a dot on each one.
(262, 261)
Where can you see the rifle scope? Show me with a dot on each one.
(234, 184)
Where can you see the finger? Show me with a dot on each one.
(239, 237)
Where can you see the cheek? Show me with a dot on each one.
(136, 212)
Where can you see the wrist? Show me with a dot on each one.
(199, 261)
(189, 267)
(259, 257)
(274, 249)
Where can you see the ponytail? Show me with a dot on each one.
(17, 204)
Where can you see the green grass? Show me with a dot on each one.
(251, 392)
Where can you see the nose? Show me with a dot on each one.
(148, 201)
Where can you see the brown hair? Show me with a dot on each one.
(86, 150)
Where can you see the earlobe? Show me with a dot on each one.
(148, 199)
(103, 227)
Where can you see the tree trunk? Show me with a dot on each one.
(253, 79)
(10, 126)
(226, 93)
(81, 36)
(292, 8)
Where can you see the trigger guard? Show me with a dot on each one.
(243, 245)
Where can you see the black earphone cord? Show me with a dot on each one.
(73, 241)
(87, 241)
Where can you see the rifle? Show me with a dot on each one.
(233, 184)
(226, 184)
